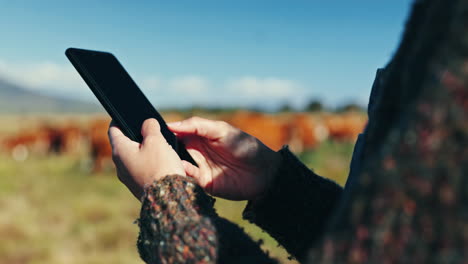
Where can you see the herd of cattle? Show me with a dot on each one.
(301, 131)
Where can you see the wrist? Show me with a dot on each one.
(273, 162)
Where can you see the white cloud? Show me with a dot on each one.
(152, 83)
(187, 84)
(42, 76)
(190, 84)
(179, 90)
(264, 87)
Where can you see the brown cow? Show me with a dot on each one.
(72, 139)
(34, 140)
(272, 131)
(101, 151)
(306, 132)
(44, 140)
(345, 127)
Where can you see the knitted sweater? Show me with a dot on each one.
(408, 202)
(179, 224)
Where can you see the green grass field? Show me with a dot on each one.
(52, 210)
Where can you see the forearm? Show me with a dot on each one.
(178, 224)
(296, 208)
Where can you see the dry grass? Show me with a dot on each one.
(53, 211)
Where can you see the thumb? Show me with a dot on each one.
(201, 127)
(119, 141)
(150, 127)
(150, 130)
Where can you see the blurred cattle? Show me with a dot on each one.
(44, 140)
(73, 140)
(306, 132)
(22, 144)
(100, 148)
(301, 131)
(69, 139)
(346, 126)
(272, 131)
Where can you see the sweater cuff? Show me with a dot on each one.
(175, 223)
(295, 209)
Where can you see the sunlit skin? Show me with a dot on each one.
(231, 164)
(139, 164)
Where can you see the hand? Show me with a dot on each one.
(139, 164)
(231, 164)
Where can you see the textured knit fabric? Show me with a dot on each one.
(410, 200)
(296, 209)
(178, 224)
(410, 203)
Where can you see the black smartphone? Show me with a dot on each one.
(120, 95)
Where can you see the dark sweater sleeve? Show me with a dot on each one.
(178, 224)
(296, 208)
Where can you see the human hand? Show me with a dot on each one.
(231, 163)
(139, 164)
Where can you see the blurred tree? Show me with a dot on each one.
(285, 108)
(350, 107)
(314, 106)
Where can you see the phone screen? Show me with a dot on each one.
(119, 94)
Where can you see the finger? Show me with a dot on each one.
(152, 137)
(209, 129)
(200, 173)
(199, 159)
(191, 170)
(150, 127)
(115, 134)
(119, 141)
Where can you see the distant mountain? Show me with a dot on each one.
(16, 99)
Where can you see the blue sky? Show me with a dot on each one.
(217, 53)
